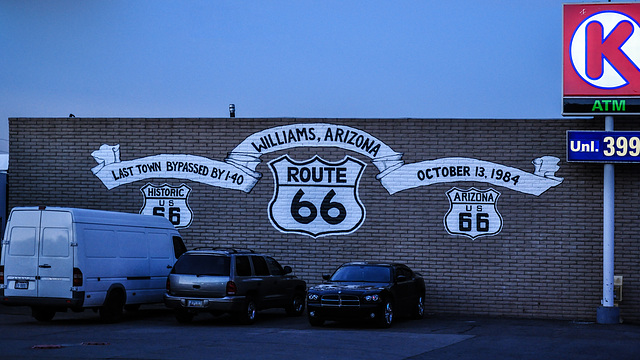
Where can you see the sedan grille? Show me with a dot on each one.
(340, 300)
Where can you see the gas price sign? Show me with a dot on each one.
(603, 146)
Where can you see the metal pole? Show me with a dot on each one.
(607, 313)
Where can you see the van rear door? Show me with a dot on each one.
(39, 260)
(21, 253)
(55, 265)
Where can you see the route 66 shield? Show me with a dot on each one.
(316, 197)
(473, 213)
(168, 201)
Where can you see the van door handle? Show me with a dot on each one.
(169, 267)
(45, 266)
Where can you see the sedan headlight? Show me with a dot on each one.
(313, 297)
(374, 297)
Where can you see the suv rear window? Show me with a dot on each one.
(202, 264)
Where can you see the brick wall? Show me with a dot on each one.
(546, 262)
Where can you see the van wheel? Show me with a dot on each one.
(132, 308)
(42, 314)
(111, 311)
(296, 305)
(248, 315)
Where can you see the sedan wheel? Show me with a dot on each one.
(316, 321)
(386, 316)
(419, 309)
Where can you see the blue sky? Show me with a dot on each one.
(297, 58)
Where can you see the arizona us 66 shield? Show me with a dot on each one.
(473, 213)
(316, 197)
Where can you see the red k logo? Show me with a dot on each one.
(604, 53)
(607, 50)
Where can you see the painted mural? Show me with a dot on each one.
(315, 197)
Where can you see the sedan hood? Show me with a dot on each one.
(346, 286)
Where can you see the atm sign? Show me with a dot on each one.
(601, 106)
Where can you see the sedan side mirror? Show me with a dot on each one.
(326, 276)
(287, 270)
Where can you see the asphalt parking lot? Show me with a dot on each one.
(153, 333)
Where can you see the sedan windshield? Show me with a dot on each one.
(362, 273)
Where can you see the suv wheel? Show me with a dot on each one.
(296, 305)
(248, 315)
(183, 316)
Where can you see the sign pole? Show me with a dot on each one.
(608, 313)
(600, 77)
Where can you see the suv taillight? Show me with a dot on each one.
(231, 288)
(77, 277)
(1, 274)
(168, 285)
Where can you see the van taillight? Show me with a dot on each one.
(77, 277)
(168, 286)
(231, 288)
(1, 274)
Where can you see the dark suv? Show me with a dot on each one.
(233, 281)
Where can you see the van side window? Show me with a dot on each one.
(178, 246)
(243, 268)
(260, 266)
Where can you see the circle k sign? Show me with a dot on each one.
(601, 49)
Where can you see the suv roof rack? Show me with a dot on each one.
(229, 250)
(235, 250)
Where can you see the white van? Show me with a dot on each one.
(54, 259)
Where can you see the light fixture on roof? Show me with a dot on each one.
(232, 110)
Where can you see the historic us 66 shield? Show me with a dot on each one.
(473, 213)
(316, 197)
(168, 201)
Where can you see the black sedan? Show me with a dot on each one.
(367, 290)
